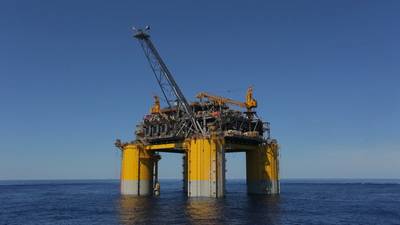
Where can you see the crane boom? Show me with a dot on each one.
(166, 81)
(249, 104)
(220, 100)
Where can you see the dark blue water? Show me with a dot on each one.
(301, 202)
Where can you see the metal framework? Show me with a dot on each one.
(202, 118)
(166, 81)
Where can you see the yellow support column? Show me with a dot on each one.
(273, 166)
(262, 169)
(136, 170)
(206, 167)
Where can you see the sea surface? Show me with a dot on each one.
(301, 202)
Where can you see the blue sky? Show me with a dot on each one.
(325, 73)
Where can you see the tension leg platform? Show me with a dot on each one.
(136, 171)
(206, 167)
(262, 170)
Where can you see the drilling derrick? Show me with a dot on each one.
(203, 131)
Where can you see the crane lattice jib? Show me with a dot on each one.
(220, 100)
(169, 87)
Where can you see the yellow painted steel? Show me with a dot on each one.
(250, 101)
(134, 169)
(204, 166)
(201, 154)
(256, 160)
(156, 107)
(273, 161)
(130, 159)
(262, 167)
(170, 146)
(146, 165)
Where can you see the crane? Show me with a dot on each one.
(170, 89)
(249, 104)
(156, 107)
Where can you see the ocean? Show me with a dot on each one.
(300, 202)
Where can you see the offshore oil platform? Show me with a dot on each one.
(203, 132)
